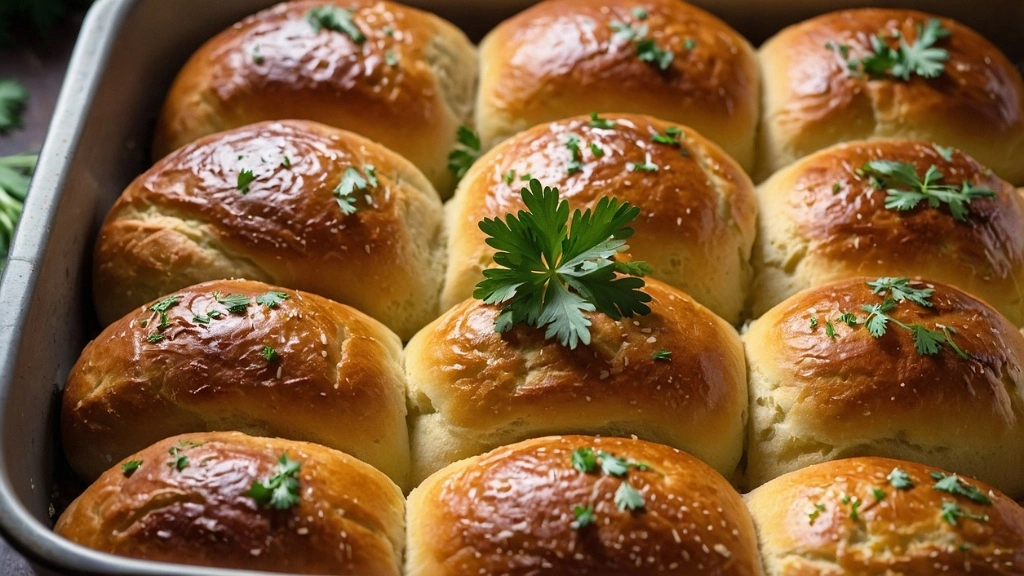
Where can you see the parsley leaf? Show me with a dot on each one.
(830, 329)
(596, 150)
(926, 342)
(351, 181)
(662, 355)
(509, 176)
(463, 156)
(648, 51)
(271, 299)
(922, 58)
(956, 486)
(813, 514)
(877, 321)
(236, 303)
(161, 307)
(154, 338)
(613, 465)
(670, 137)
(900, 480)
(13, 96)
(584, 459)
(878, 493)
(15, 173)
(814, 322)
(951, 513)
(575, 156)
(946, 153)
(180, 461)
(129, 467)
(905, 189)
(644, 166)
(584, 516)
(245, 177)
(336, 19)
(848, 318)
(628, 498)
(280, 491)
(549, 273)
(598, 122)
(390, 58)
(899, 289)
(269, 353)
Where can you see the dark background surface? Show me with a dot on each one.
(39, 63)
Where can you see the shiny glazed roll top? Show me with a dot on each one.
(698, 211)
(294, 203)
(867, 516)
(237, 355)
(858, 209)
(665, 58)
(227, 500)
(397, 75)
(579, 505)
(845, 76)
(886, 367)
(675, 376)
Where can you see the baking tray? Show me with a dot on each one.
(127, 54)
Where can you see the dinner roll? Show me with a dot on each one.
(237, 355)
(665, 58)
(813, 100)
(293, 203)
(394, 74)
(866, 516)
(823, 218)
(643, 508)
(698, 210)
(188, 500)
(675, 376)
(816, 397)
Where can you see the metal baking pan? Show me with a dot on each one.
(125, 59)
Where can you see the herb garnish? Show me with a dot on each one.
(154, 338)
(390, 58)
(550, 273)
(813, 514)
(905, 189)
(269, 353)
(272, 298)
(236, 303)
(205, 318)
(922, 57)
(245, 177)
(463, 156)
(280, 491)
(13, 96)
(951, 512)
(900, 480)
(344, 193)
(586, 460)
(161, 307)
(670, 137)
(628, 498)
(957, 487)
(336, 19)
(662, 355)
(129, 467)
(15, 174)
(575, 156)
(584, 516)
(180, 461)
(647, 49)
(602, 123)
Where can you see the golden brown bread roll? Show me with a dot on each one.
(815, 398)
(849, 518)
(513, 511)
(812, 100)
(194, 217)
(186, 500)
(561, 58)
(408, 84)
(331, 375)
(822, 219)
(472, 389)
(697, 224)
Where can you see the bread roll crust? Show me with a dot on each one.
(561, 58)
(187, 220)
(472, 389)
(409, 85)
(698, 211)
(812, 101)
(510, 511)
(821, 220)
(814, 399)
(903, 533)
(335, 378)
(349, 518)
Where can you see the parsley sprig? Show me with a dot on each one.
(647, 50)
(905, 189)
(15, 174)
(336, 19)
(351, 182)
(587, 461)
(895, 291)
(550, 272)
(921, 58)
(463, 156)
(280, 491)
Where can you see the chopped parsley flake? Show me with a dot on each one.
(662, 355)
(952, 513)
(272, 298)
(129, 467)
(956, 486)
(584, 516)
(598, 122)
(336, 19)
(269, 353)
(245, 177)
(628, 498)
(280, 491)
(236, 303)
(900, 480)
